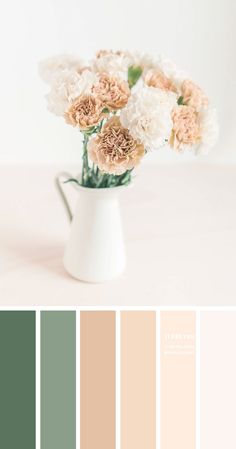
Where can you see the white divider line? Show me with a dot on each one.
(38, 378)
(77, 378)
(173, 308)
(158, 380)
(118, 380)
(198, 379)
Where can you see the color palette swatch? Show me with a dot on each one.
(138, 380)
(218, 378)
(17, 380)
(58, 380)
(178, 389)
(97, 380)
(117, 379)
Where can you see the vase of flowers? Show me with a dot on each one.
(124, 105)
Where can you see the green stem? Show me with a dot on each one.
(85, 165)
(100, 178)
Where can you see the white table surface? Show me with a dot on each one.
(180, 228)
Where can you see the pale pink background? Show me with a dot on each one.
(180, 230)
(218, 380)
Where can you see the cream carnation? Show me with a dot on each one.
(67, 86)
(143, 60)
(57, 102)
(148, 116)
(51, 68)
(114, 150)
(114, 63)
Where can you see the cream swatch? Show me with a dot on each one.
(178, 380)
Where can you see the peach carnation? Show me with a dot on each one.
(114, 150)
(186, 127)
(102, 53)
(85, 112)
(171, 71)
(112, 91)
(156, 78)
(193, 95)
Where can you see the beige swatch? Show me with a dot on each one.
(178, 380)
(138, 380)
(97, 380)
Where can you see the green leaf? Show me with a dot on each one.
(89, 131)
(134, 73)
(180, 100)
(105, 111)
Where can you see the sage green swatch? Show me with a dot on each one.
(17, 379)
(58, 380)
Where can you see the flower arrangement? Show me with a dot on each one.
(126, 104)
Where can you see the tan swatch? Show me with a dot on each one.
(138, 380)
(178, 380)
(97, 380)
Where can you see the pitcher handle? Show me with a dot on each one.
(58, 182)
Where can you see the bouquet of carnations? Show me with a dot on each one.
(126, 104)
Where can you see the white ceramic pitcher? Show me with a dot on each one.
(95, 251)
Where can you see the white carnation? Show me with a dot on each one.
(57, 102)
(51, 68)
(113, 63)
(67, 86)
(208, 129)
(147, 115)
(143, 60)
(171, 71)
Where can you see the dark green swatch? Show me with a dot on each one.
(58, 380)
(17, 380)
